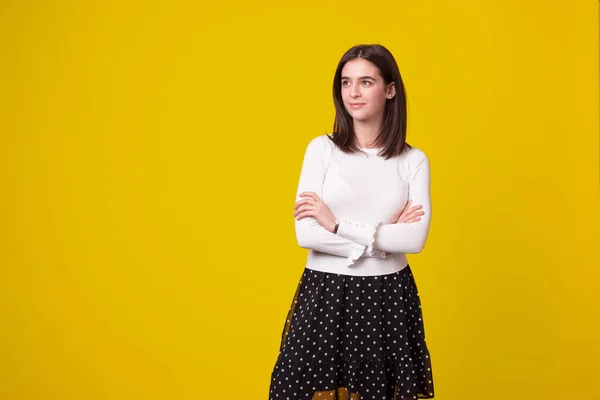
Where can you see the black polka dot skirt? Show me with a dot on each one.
(354, 338)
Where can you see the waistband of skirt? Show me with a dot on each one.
(362, 267)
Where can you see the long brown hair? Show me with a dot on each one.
(392, 137)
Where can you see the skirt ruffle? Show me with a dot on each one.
(353, 337)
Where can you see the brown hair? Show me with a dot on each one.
(393, 129)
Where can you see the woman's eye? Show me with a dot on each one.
(367, 83)
(345, 83)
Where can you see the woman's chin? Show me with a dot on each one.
(360, 117)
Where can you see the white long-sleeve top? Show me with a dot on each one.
(363, 191)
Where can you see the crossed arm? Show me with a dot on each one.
(355, 239)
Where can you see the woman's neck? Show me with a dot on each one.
(366, 133)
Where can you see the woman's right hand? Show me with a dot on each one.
(410, 214)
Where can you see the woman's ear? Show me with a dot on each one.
(391, 90)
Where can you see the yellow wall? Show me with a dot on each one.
(150, 155)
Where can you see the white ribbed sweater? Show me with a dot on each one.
(363, 191)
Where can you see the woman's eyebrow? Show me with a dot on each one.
(362, 77)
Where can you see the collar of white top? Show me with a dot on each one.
(371, 151)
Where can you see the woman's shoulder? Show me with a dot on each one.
(319, 147)
(415, 155)
(324, 139)
(321, 143)
(413, 160)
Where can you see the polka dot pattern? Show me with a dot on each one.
(361, 333)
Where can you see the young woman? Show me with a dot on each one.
(355, 328)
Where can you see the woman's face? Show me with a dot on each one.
(364, 91)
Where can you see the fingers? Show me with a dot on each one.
(408, 209)
(406, 206)
(310, 197)
(303, 202)
(304, 215)
(411, 214)
(304, 208)
(411, 211)
(408, 212)
(411, 220)
(411, 217)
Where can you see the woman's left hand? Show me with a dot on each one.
(313, 206)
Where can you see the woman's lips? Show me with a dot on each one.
(356, 105)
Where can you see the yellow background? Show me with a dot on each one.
(150, 156)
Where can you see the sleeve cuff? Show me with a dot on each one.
(357, 252)
(361, 233)
(375, 253)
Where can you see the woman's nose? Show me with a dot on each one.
(354, 90)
